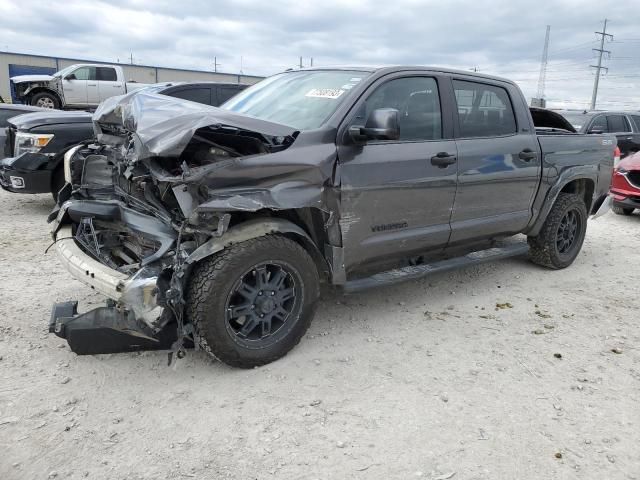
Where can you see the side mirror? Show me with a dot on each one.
(382, 124)
(71, 76)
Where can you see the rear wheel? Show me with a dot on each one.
(253, 302)
(618, 210)
(562, 235)
(45, 100)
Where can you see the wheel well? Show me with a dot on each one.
(583, 187)
(309, 220)
(38, 90)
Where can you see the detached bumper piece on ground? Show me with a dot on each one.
(104, 330)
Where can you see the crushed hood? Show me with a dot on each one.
(31, 78)
(163, 125)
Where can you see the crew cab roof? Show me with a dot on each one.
(382, 70)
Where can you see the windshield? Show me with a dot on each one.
(303, 100)
(64, 71)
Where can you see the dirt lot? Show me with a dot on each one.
(424, 380)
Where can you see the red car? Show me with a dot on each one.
(625, 185)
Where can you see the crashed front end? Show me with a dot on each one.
(144, 201)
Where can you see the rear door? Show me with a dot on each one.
(108, 83)
(620, 126)
(395, 200)
(498, 161)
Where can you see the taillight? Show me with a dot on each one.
(616, 157)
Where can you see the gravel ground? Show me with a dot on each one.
(429, 379)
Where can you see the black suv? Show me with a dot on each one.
(38, 141)
(624, 125)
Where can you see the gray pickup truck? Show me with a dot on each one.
(217, 226)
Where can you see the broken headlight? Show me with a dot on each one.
(31, 142)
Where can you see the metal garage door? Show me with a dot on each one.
(15, 70)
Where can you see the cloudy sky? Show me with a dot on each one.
(263, 37)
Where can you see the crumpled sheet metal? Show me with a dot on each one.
(164, 125)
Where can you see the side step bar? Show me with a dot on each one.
(418, 271)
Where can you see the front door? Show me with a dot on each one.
(75, 85)
(498, 164)
(396, 195)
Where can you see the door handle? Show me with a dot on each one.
(527, 155)
(443, 160)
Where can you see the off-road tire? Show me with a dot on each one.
(51, 100)
(618, 210)
(211, 284)
(543, 249)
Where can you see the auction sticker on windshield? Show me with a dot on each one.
(324, 93)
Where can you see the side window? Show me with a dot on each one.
(418, 105)
(483, 110)
(227, 92)
(636, 120)
(618, 124)
(106, 74)
(599, 124)
(198, 95)
(85, 73)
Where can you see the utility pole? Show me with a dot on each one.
(311, 65)
(216, 64)
(300, 62)
(543, 67)
(603, 34)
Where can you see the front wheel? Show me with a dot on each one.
(45, 100)
(561, 237)
(252, 302)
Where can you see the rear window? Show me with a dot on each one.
(618, 123)
(198, 95)
(106, 74)
(227, 92)
(483, 110)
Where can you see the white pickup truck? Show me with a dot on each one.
(81, 86)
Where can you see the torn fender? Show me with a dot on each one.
(246, 231)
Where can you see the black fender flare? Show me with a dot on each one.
(254, 228)
(583, 172)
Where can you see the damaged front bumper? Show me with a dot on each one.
(136, 313)
(25, 174)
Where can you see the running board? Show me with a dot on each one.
(418, 271)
